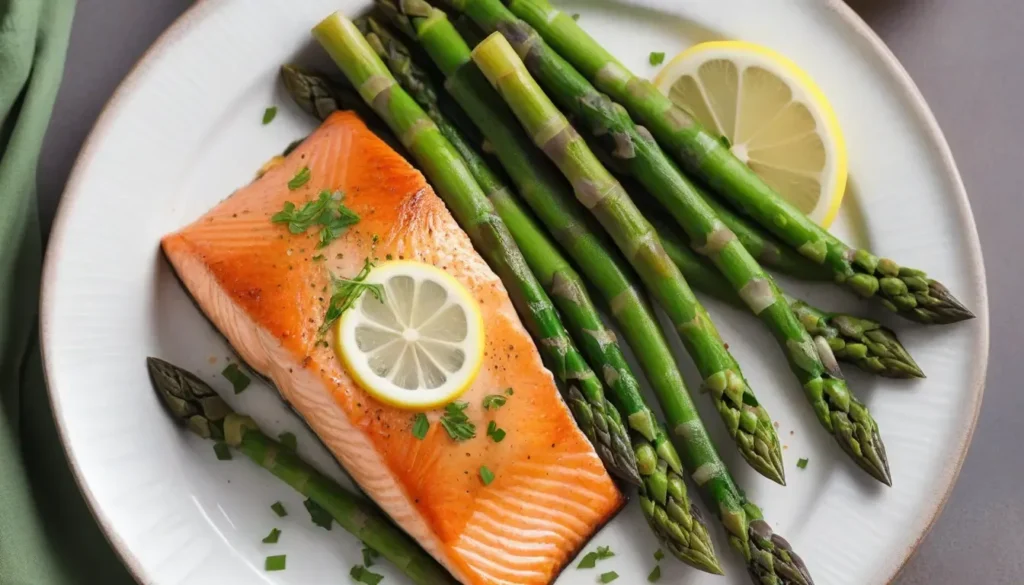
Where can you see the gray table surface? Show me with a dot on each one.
(966, 58)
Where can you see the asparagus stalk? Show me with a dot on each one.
(810, 360)
(598, 419)
(769, 558)
(193, 403)
(855, 340)
(907, 291)
(663, 497)
(320, 97)
(550, 197)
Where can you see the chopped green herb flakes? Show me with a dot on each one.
(223, 452)
(576, 16)
(363, 575)
(495, 433)
(369, 555)
(486, 476)
(656, 58)
(456, 423)
(659, 554)
(237, 377)
(590, 559)
(318, 515)
(494, 401)
(275, 563)
(801, 463)
(278, 509)
(272, 538)
(347, 291)
(509, 391)
(328, 211)
(269, 114)
(655, 574)
(301, 178)
(608, 577)
(420, 426)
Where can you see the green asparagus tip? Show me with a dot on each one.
(192, 401)
(772, 559)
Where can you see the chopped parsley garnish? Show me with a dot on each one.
(269, 114)
(272, 537)
(318, 515)
(608, 577)
(486, 476)
(576, 16)
(509, 391)
(363, 575)
(347, 291)
(275, 563)
(369, 555)
(801, 463)
(237, 377)
(278, 509)
(328, 211)
(659, 554)
(656, 58)
(288, 440)
(655, 575)
(456, 423)
(300, 179)
(494, 401)
(420, 426)
(222, 451)
(495, 433)
(318, 258)
(590, 559)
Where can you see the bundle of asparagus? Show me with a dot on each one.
(769, 558)
(906, 291)
(811, 360)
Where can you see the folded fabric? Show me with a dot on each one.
(47, 534)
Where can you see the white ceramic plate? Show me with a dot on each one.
(184, 130)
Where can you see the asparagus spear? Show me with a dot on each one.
(663, 495)
(907, 291)
(810, 360)
(320, 97)
(770, 560)
(196, 405)
(598, 419)
(550, 196)
(855, 340)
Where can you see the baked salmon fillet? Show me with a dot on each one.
(267, 291)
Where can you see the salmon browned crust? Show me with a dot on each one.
(267, 292)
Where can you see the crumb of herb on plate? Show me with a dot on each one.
(275, 563)
(273, 537)
(239, 380)
(269, 114)
(278, 509)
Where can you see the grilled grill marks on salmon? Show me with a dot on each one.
(263, 289)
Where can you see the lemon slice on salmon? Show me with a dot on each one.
(421, 344)
(773, 115)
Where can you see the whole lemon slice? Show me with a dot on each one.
(421, 344)
(773, 116)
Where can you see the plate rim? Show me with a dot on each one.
(181, 27)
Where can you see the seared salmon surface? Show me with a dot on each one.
(267, 291)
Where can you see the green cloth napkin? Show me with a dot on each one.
(47, 535)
